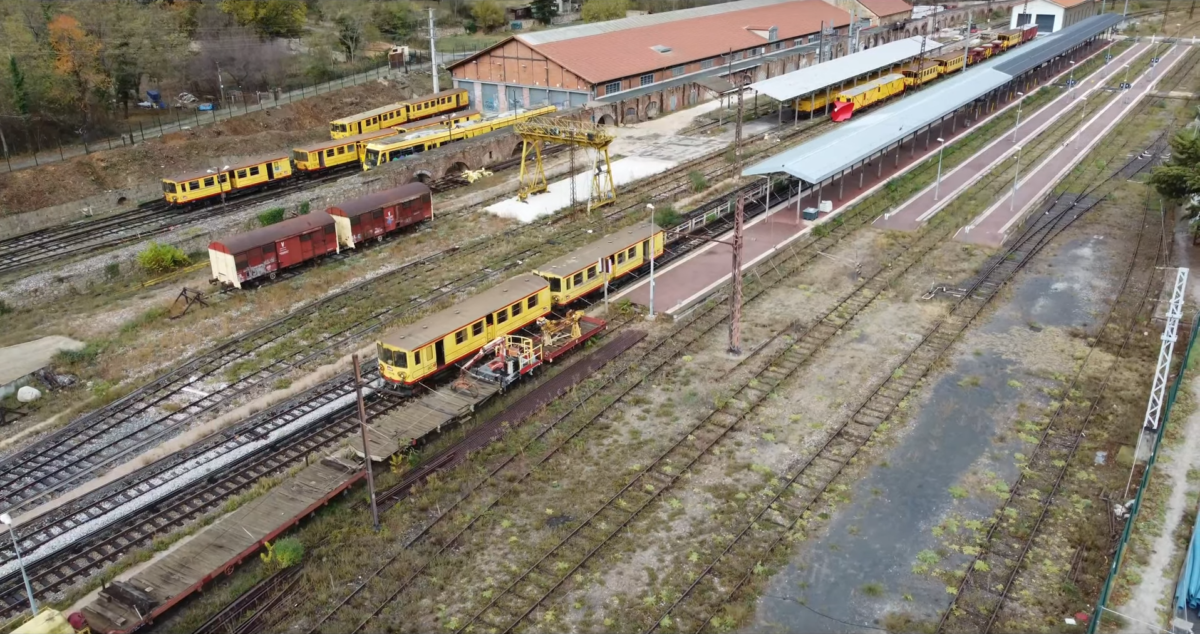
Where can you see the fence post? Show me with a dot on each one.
(37, 137)
(142, 130)
(83, 138)
(60, 150)
(129, 128)
(197, 112)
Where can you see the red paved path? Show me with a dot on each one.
(911, 215)
(681, 284)
(992, 226)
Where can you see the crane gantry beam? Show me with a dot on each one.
(535, 132)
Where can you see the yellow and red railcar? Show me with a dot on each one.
(206, 186)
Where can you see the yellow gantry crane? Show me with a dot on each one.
(536, 132)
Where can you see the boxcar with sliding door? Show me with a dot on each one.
(379, 214)
(264, 252)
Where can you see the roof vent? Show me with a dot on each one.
(661, 49)
(773, 34)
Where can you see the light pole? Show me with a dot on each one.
(937, 186)
(1071, 79)
(1082, 115)
(650, 210)
(1012, 198)
(220, 183)
(7, 520)
(1125, 84)
(1016, 125)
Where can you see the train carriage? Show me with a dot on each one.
(376, 215)
(862, 96)
(950, 63)
(265, 251)
(237, 178)
(413, 353)
(318, 157)
(399, 113)
(454, 118)
(582, 272)
(913, 77)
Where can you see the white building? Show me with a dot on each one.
(1052, 15)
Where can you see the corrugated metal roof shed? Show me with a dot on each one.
(808, 80)
(861, 137)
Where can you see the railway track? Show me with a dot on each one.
(244, 616)
(986, 589)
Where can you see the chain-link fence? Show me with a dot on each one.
(1119, 558)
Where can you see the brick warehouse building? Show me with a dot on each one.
(634, 68)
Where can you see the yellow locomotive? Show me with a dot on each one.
(399, 113)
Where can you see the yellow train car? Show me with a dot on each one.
(413, 353)
(239, 177)
(873, 92)
(1009, 39)
(399, 113)
(397, 147)
(317, 157)
(927, 73)
(454, 118)
(582, 271)
(950, 63)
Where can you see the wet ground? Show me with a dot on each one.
(944, 465)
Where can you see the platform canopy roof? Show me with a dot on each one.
(817, 77)
(863, 136)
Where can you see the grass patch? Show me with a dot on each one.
(271, 216)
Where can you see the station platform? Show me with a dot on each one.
(126, 605)
(992, 227)
(920, 208)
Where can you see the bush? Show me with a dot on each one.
(304, 208)
(699, 183)
(284, 553)
(666, 217)
(270, 216)
(162, 258)
(112, 270)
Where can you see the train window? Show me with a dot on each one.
(621, 258)
(193, 186)
(555, 285)
(168, 188)
(516, 309)
(578, 279)
(631, 253)
(460, 336)
(477, 328)
(240, 262)
(532, 301)
(330, 230)
(417, 358)
(329, 152)
(341, 149)
(377, 214)
(269, 249)
(502, 316)
(385, 355)
(222, 178)
(254, 171)
(241, 173)
(489, 320)
(591, 272)
(208, 182)
(306, 237)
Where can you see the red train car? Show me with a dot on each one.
(263, 252)
(376, 215)
(1028, 32)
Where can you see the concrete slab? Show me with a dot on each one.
(558, 196)
(23, 359)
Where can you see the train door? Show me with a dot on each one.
(645, 251)
(439, 349)
(270, 171)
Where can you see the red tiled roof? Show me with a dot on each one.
(1066, 4)
(607, 56)
(884, 8)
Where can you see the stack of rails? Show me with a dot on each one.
(264, 252)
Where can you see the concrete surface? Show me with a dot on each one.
(23, 359)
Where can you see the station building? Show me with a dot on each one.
(636, 68)
(1052, 16)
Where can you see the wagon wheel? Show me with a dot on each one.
(229, 571)
(272, 275)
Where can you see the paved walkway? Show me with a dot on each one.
(993, 225)
(913, 214)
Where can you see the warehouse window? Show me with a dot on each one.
(611, 87)
(516, 309)
(578, 279)
(778, 46)
(647, 79)
(591, 272)
(477, 328)
(208, 182)
(532, 302)
(677, 71)
(254, 171)
(502, 316)
(460, 336)
(708, 63)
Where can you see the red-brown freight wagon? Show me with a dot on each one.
(263, 252)
(376, 215)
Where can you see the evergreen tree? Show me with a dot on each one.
(545, 10)
(20, 92)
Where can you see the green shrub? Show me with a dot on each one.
(667, 217)
(304, 208)
(162, 258)
(112, 270)
(284, 553)
(270, 216)
(82, 356)
(699, 183)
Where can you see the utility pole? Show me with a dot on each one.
(221, 84)
(433, 52)
(739, 222)
(821, 44)
(1190, 10)
(362, 424)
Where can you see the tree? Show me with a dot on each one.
(269, 18)
(352, 31)
(601, 10)
(20, 93)
(1179, 179)
(77, 57)
(544, 10)
(488, 15)
(396, 20)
